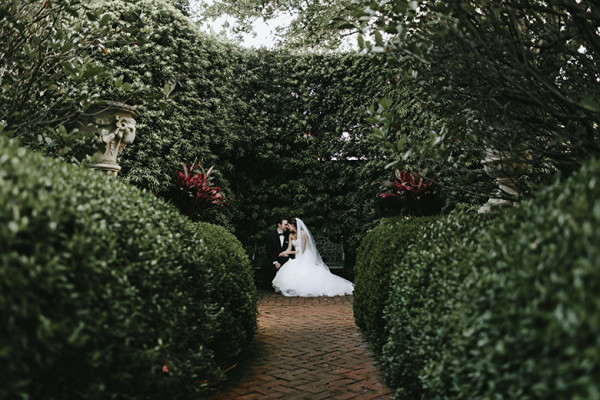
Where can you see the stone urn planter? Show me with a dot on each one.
(114, 125)
(505, 167)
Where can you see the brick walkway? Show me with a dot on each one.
(306, 348)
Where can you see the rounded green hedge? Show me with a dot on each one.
(233, 290)
(499, 306)
(423, 289)
(102, 284)
(379, 255)
(530, 308)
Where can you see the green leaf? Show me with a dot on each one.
(67, 47)
(590, 103)
(119, 81)
(346, 26)
(104, 20)
(400, 143)
(377, 133)
(385, 103)
(391, 164)
(361, 41)
(467, 7)
(168, 88)
(93, 71)
(378, 39)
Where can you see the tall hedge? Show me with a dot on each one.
(379, 255)
(529, 315)
(286, 132)
(185, 92)
(103, 285)
(495, 306)
(423, 290)
(309, 154)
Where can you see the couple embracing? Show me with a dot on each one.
(300, 271)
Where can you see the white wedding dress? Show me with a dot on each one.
(307, 275)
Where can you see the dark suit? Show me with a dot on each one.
(274, 247)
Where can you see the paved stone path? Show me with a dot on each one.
(306, 348)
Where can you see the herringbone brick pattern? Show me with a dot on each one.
(306, 348)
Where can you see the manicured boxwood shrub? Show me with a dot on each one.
(422, 290)
(235, 292)
(496, 306)
(380, 253)
(530, 308)
(102, 284)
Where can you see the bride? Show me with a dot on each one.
(306, 275)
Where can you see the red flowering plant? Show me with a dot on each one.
(408, 187)
(199, 194)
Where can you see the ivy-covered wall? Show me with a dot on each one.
(285, 132)
(309, 156)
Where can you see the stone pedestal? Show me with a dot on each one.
(505, 167)
(114, 125)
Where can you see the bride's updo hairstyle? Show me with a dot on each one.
(292, 221)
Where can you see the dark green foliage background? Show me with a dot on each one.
(286, 132)
(102, 283)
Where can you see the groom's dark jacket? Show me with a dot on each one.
(274, 247)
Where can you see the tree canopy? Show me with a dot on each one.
(314, 23)
(525, 72)
(48, 76)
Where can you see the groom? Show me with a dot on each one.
(277, 242)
